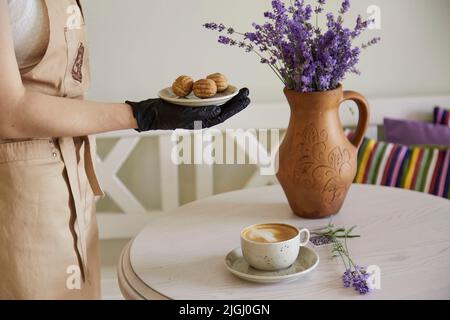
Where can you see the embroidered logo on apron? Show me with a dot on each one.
(77, 73)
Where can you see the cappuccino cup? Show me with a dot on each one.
(272, 246)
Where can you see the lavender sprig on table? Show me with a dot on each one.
(304, 57)
(354, 276)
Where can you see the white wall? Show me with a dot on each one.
(140, 46)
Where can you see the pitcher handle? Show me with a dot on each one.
(364, 113)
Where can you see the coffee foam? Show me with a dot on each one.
(270, 233)
(266, 235)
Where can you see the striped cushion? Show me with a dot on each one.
(420, 168)
(441, 116)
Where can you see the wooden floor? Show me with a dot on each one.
(110, 251)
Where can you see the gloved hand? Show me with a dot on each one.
(157, 114)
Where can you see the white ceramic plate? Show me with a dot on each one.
(307, 261)
(193, 101)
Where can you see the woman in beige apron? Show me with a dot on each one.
(49, 247)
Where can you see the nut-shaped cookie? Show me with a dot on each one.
(205, 88)
(220, 80)
(183, 86)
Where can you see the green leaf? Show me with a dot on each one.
(350, 230)
(349, 236)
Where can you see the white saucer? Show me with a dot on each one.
(307, 261)
(193, 101)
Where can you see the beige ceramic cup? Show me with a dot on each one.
(267, 249)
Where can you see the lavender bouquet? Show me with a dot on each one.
(354, 276)
(304, 57)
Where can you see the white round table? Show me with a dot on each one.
(181, 256)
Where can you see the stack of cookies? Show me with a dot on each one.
(203, 88)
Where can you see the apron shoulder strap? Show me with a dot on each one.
(81, 7)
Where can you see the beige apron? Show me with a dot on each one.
(49, 247)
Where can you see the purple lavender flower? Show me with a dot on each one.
(214, 26)
(319, 9)
(224, 40)
(320, 240)
(269, 15)
(303, 56)
(361, 25)
(279, 7)
(210, 25)
(249, 48)
(356, 278)
(251, 36)
(361, 285)
(360, 281)
(345, 6)
(372, 42)
(347, 278)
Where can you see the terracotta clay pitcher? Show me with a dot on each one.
(317, 163)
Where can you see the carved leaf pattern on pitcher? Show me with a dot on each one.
(322, 168)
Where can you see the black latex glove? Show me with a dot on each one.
(157, 114)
